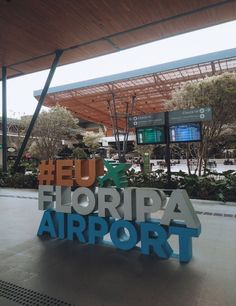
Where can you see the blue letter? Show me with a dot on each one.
(97, 229)
(76, 226)
(120, 239)
(185, 240)
(47, 224)
(153, 235)
(60, 225)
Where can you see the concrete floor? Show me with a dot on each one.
(87, 275)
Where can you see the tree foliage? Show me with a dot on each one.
(18, 127)
(141, 150)
(79, 153)
(50, 129)
(219, 92)
(92, 140)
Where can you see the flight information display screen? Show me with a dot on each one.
(187, 132)
(150, 135)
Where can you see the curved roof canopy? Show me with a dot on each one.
(31, 31)
(151, 86)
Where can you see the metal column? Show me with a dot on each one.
(38, 108)
(4, 119)
(167, 153)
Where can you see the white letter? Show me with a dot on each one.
(109, 201)
(46, 197)
(148, 201)
(129, 203)
(180, 208)
(83, 201)
(63, 199)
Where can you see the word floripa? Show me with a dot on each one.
(89, 213)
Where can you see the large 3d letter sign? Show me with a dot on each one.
(89, 213)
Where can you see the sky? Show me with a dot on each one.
(20, 100)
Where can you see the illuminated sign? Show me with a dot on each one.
(187, 132)
(90, 213)
(150, 135)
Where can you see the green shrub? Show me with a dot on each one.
(27, 165)
(212, 186)
(19, 180)
(79, 153)
(229, 190)
(155, 179)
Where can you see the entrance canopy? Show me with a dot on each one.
(150, 86)
(31, 31)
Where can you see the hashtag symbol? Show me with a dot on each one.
(47, 171)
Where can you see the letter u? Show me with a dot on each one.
(85, 172)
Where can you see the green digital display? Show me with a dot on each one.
(150, 135)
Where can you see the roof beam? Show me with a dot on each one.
(55, 62)
(109, 38)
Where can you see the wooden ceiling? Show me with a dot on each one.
(31, 31)
(150, 86)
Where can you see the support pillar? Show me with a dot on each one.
(38, 108)
(167, 153)
(4, 119)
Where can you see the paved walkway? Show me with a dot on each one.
(56, 272)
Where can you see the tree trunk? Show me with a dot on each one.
(187, 158)
(201, 150)
(205, 154)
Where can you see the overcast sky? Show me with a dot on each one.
(20, 90)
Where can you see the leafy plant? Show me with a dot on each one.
(79, 153)
(212, 186)
(19, 180)
(219, 92)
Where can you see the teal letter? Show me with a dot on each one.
(120, 239)
(154, 236)
(76, 225)
(47, 224)
(97, 229)
(61, 226)
(185, 240)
